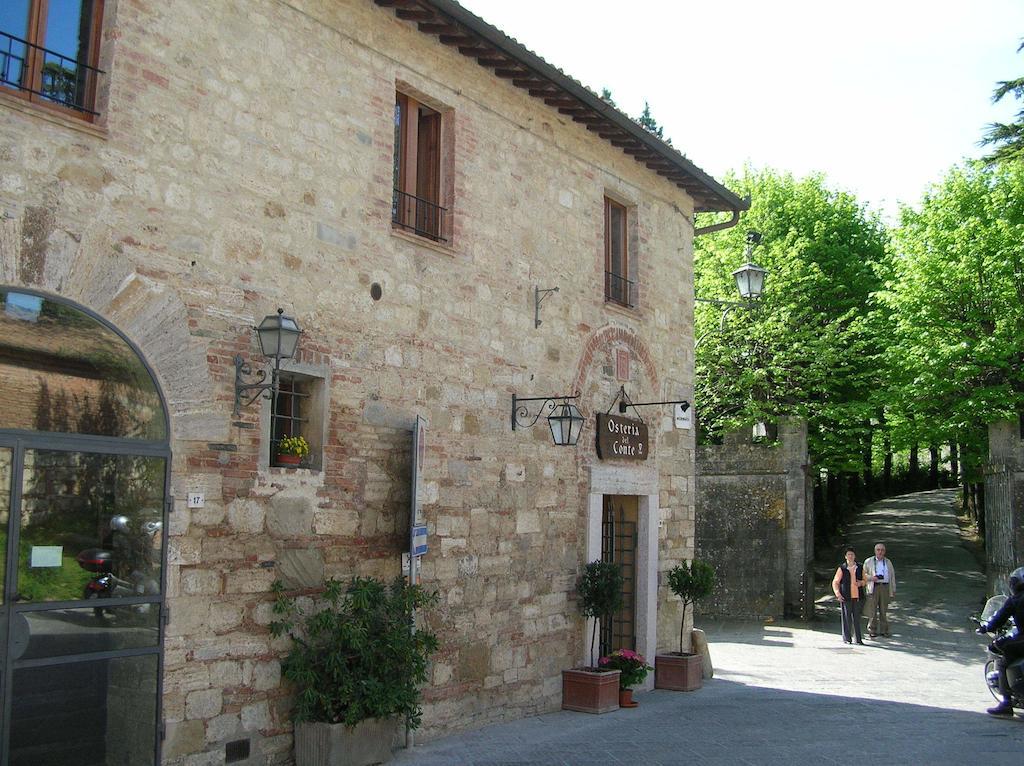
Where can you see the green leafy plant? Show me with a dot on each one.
(632, 666)
(691, 581)
(293, 445)
(600, 593)
(355, 655)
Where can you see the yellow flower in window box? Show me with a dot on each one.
(292, 450)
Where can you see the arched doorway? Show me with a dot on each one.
(84, 467)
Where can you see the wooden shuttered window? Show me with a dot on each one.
(617, 286)
(417, 169)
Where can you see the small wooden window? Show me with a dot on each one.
(617, 285)
(49, 52)
(416, 204)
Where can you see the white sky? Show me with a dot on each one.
(882, 97)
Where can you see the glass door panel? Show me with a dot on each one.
(91, 526)
(100, 713)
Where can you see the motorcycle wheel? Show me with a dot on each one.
(993, 688)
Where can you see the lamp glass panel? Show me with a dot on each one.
(558, 422)
(575, 424)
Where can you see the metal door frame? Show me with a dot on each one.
(19, 440)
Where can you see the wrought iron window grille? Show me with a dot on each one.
(63, 80)
(418, 215)
(618, 289)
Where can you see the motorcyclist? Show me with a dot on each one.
(1012, 646)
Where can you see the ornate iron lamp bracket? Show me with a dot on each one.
(538, 298)
(247, 391)
(521, 412)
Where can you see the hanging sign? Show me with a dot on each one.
(620, 438)
(683, 415)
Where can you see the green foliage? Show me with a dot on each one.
(648, 123)
(600, 593)
(1008, 138)
(606, 96)
(355, 656)
(632, 667)
(691, 581)
(812, 345)
(956, 298)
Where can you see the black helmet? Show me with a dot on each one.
(1016, 581)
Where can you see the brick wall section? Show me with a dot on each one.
(247, 165)
(1004, 503)
(755, 523)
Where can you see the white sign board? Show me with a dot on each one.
(683, 417)
(46, 556)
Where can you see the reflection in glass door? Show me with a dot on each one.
(87, 579)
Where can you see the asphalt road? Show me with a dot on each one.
(792, 693)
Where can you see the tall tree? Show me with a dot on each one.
(1008, 138)
(647, 121)
(957, 301)
(810, 346)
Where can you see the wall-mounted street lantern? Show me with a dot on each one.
(565, 419)
(750, 279)
(279, 336)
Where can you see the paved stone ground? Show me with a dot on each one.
(792, 693)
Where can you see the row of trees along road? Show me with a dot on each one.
(895, 343)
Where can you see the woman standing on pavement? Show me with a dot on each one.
(847, 586)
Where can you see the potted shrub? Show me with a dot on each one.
(356, 667)
(593, 689)
(633, 669)
(683, 671)
(292, 450)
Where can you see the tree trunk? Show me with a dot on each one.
(954, 463)
(869, 473)
(913, 468)
(933, 466)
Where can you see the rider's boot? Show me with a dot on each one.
(1004, 708)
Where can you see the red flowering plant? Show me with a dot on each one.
(633, 666)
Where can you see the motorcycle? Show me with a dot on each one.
(1015, 670)
(105, 565)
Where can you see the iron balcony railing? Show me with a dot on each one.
(50, 75)
(618, 289)
(418, 215)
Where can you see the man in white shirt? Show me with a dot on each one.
(881, 587)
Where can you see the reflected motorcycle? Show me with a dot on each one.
(129, 555)
(1015, 670)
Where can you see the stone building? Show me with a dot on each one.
(402, 179)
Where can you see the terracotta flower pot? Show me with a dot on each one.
(626, 698)
(588, 691)
(289, 459)
(678, 672)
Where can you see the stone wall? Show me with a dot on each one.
(244, 162)
(1004, 503)
(755, 521)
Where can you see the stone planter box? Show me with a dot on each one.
(678, 672)
(587, 691)
(335, 744)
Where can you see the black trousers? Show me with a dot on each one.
(851, 619)
(1012, 649)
